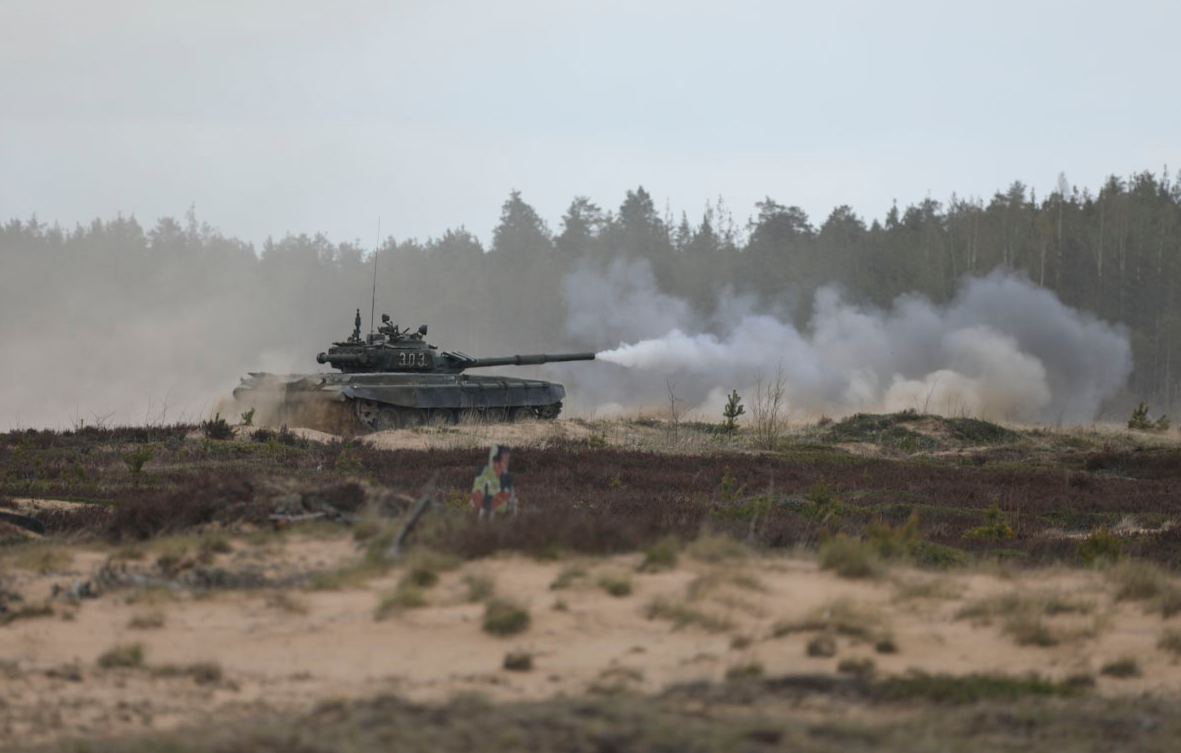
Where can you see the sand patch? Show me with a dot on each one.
(284, 649)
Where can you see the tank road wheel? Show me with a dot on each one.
(440, 417)
(412, 417)
(549, 412)
(520, 413)
(388, 418)
(368, 413)
(470, 416)
(495, 415)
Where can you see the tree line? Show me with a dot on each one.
(1115, 253)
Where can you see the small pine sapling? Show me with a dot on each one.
(731, 412)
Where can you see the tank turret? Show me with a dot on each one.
(393, 378)
(392, 350)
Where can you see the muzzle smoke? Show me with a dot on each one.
(1002, 349)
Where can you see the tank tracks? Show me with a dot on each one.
(375, 416)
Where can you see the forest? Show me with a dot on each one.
(192, 300)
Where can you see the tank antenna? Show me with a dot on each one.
(373, 301)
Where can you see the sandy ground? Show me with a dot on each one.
(284, 650)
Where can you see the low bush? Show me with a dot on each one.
(504, 617)
(126, 656)
(616, 583)
(1121, 668)
(848, 558)
(823, 645)
(661, 555)
(518, 661)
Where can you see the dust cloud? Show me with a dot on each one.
(114, 324)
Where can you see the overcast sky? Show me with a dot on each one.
(277, 117)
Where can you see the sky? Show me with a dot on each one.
(301, 117)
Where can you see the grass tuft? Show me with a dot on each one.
(682, 615)
(126, 656)
(147, 621)
(661, 555)
(479, 587)
(848, 558)
(407, 595)
(749, 671)
(1121, 668)
(616, 583)
(504, 617)
(518, 661)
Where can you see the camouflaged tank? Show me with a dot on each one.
(394, 379)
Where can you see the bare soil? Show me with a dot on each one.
(280, 650)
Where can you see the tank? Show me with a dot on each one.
(394, 379)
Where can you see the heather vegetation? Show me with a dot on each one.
(988, 492)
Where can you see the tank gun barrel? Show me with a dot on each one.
(343, 358)
(529, 360)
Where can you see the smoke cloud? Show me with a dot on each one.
(1003, 348)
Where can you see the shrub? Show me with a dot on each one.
(822, 645)
(217, 428)
(1101, 546)
(1121, 668)
(518, 661)
(718, 547)
(1138, 581)
(682, 615)
(1170, 640)
(147, 621)
(248, 418)
(136, 459)
(849, 558)
(750, 671)
(859, 667)
(661, 555)
(126, 656)
(996, 526)
(970, 688)
(616, 584)
(407, 595)
(567, 576)
(504, 617)
(895, 543)
(479, 587)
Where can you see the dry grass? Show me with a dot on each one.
(933, 589)
(406, 595)
(42, 558)
(661, 555)
(202, 672)
(683, 614)
(504, 617)
(285, 601)
(479, 587)
(849, 558)
(840, 617)
(567, 576)
(1024, 616)
(153, 620)
(1144, 581)
(1170, 640)
(616, 582)
(127, 656)
(718, 547)
(27, 612)
(724, 578)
